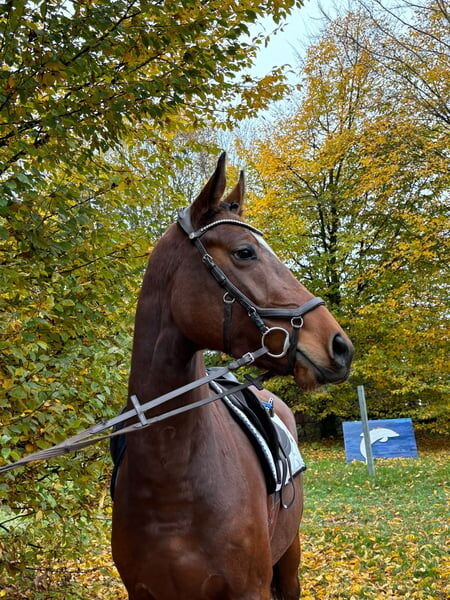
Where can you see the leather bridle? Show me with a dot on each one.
(233, 293)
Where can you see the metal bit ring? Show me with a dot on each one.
(285, 343)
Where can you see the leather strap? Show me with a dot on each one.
(74, 444)
(227, 316)
(184, 221)
(88, 436)
(256, 313)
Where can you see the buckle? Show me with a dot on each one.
(247, 358)
(228, 299)
(208, 260)
(297, 322)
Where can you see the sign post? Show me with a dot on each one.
(365, 425)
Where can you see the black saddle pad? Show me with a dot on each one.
(117, 447)
(248, 403)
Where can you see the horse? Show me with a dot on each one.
(192, 518)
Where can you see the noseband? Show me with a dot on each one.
(232, 294)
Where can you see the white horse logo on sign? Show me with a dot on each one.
(379, 434)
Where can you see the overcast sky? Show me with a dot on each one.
(302, 26)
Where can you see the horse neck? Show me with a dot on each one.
(163, 359)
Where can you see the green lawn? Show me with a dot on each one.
(382, 539)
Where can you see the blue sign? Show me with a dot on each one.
(389, 438)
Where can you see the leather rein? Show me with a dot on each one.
(232, 293)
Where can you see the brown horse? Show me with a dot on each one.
(192, 519)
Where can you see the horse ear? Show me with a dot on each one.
(209, 197)
(236, 197)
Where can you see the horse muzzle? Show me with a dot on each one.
(312, 372)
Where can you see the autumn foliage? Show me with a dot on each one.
(109, 113)
(351, 185)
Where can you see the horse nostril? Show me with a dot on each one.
(341, 351)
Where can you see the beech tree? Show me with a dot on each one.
(352, 187)
(93, 99)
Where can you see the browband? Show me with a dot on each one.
(184, 220)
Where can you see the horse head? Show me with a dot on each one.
(205, 311)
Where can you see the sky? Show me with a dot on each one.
(301, 27)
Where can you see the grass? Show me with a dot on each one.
(361, 540)
(379, 540)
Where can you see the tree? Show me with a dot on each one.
(351, 186)
(83, 72)
(412, 46)
(95, 98)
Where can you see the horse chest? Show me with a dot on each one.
(194, 570)
(213, 586)
(189, 583)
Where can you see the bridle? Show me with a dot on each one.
(233, 293)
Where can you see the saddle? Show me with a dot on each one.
(276, 449)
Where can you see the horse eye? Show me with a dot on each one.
(247, 253)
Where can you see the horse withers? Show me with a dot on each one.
(192, 519)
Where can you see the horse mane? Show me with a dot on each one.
(163, 259)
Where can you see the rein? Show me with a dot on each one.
(90, 435)
(256, 313)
